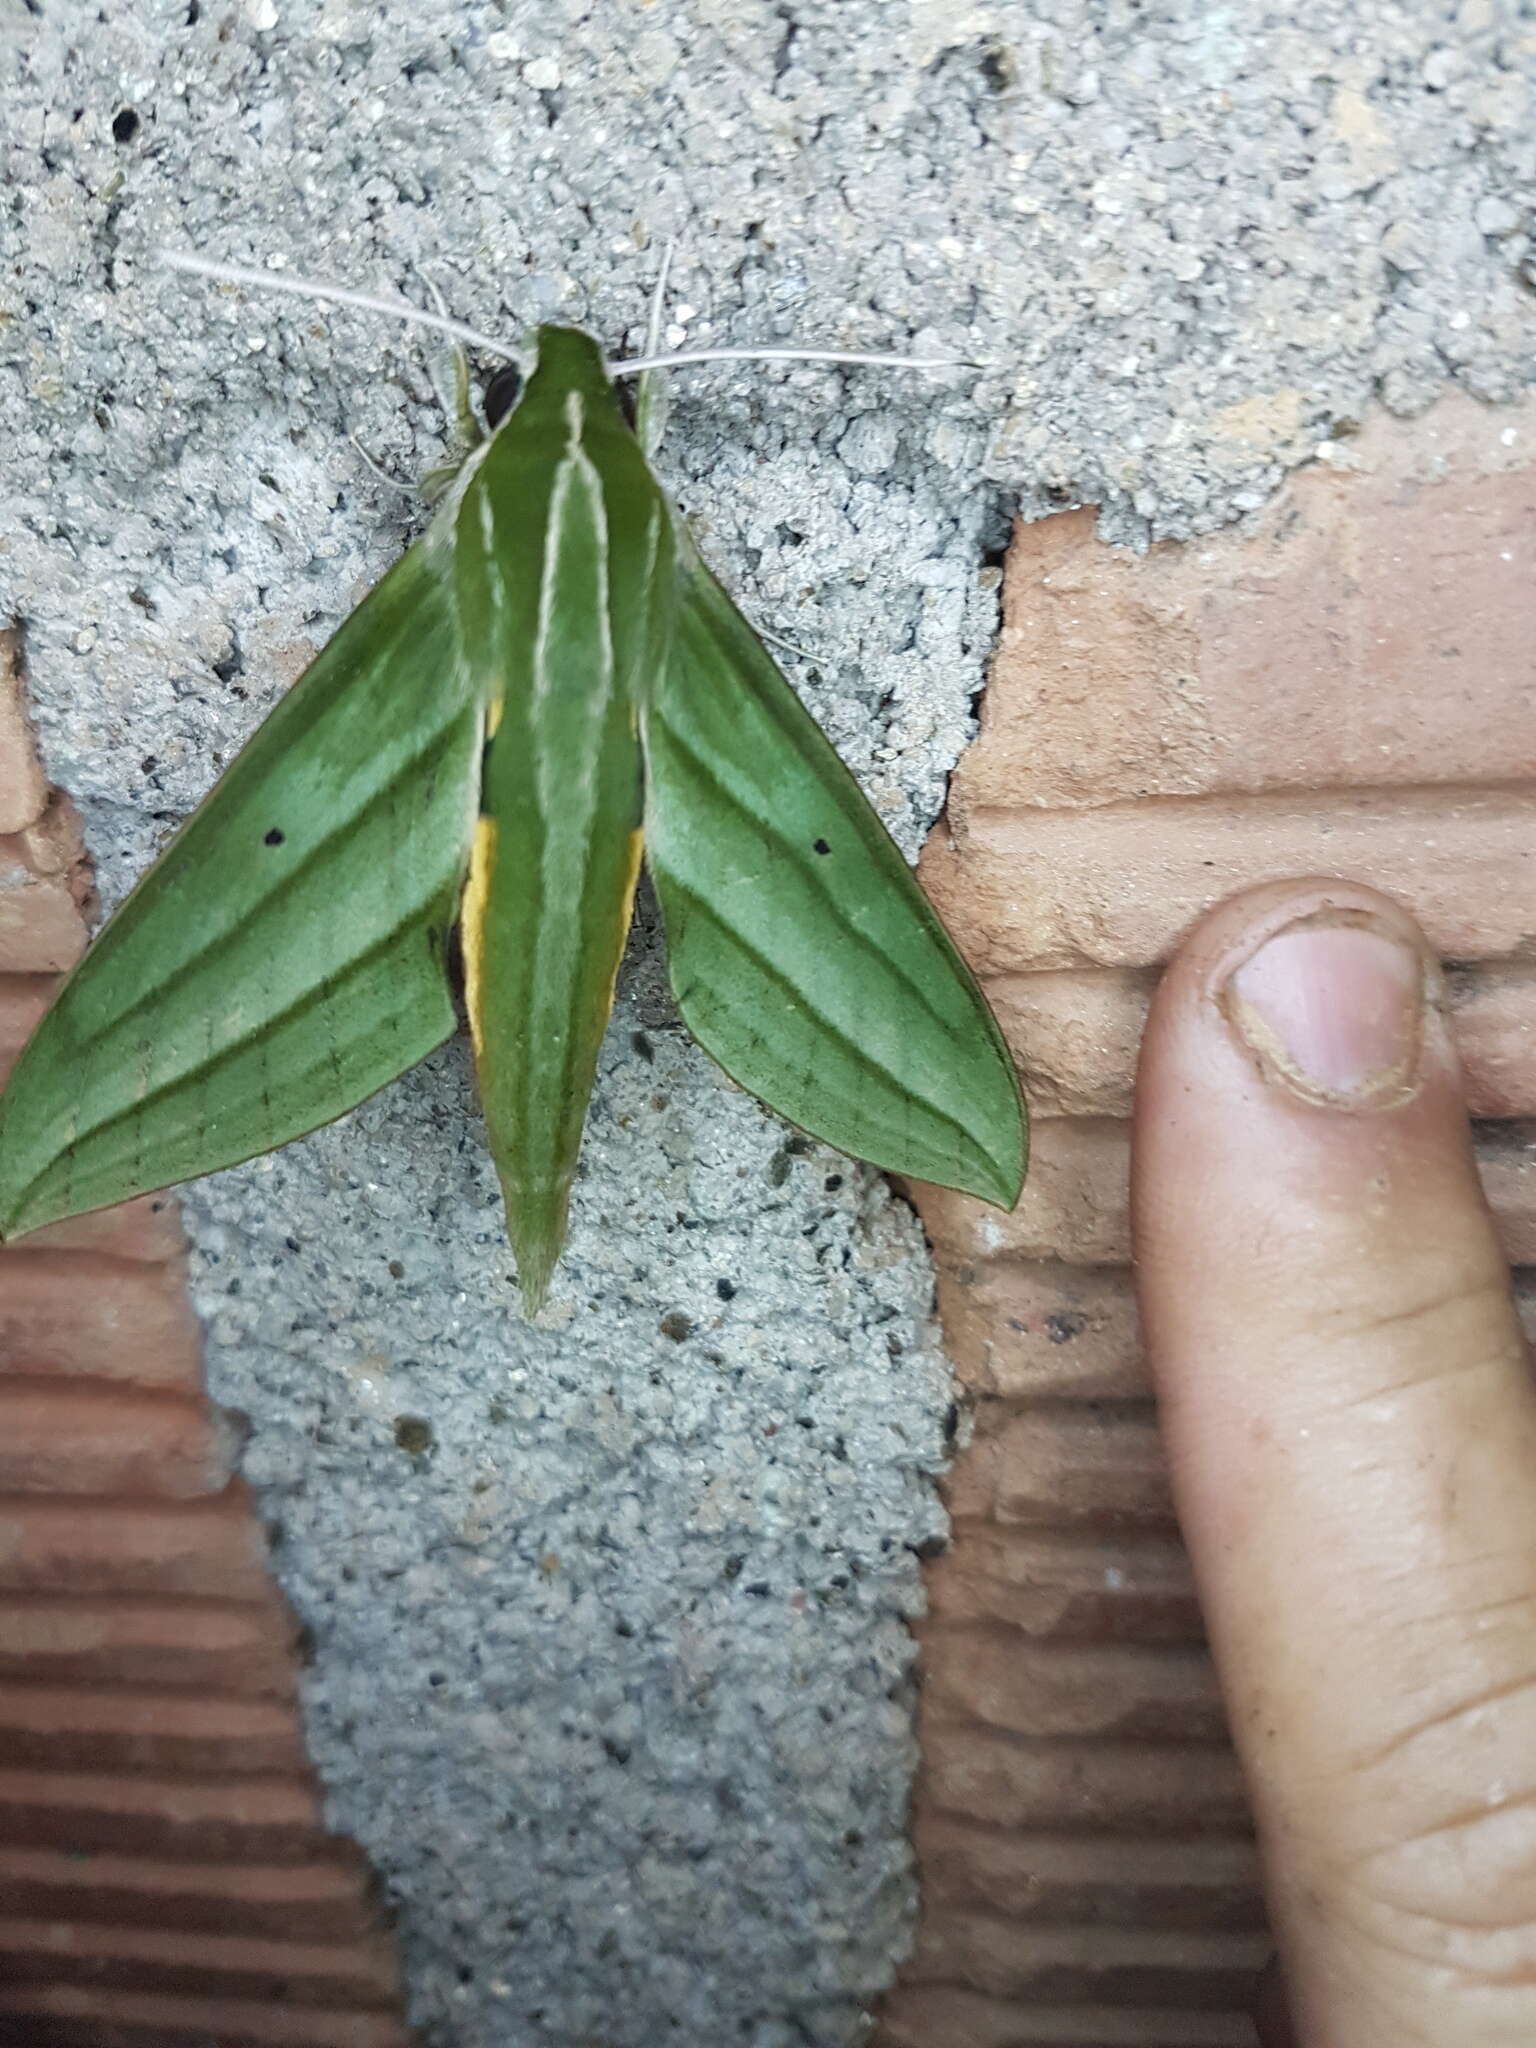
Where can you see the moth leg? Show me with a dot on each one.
(789, 647)
(464, 429)
(458, 407)
(380, 474)
(465, 433)
(464, 425)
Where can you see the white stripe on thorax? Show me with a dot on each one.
(565, 470)
(572, 785)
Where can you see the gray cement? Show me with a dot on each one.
(611, 1673)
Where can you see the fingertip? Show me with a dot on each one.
(1195, 990)
(1296, 1054)
(1351, 1429)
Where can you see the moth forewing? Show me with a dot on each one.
(802, 954)
(284, 957)
(565, 582)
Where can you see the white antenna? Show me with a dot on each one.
(636, 366)
(402, 309)
(338, 294)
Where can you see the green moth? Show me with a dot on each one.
(547, 688)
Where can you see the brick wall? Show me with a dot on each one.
(165, 1877)
(1347, 687)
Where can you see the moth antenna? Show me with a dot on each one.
(337, 295)
(637, 366)
(401, 309)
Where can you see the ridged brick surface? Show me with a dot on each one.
(166, 1879)
(1346, 687)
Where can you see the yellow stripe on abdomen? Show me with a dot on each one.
(627, 908)
(472, 910)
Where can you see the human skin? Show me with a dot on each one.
(1350, 1417)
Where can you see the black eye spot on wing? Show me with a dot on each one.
(501, 394)
(822, 846)
(125, 124)
(274, 837)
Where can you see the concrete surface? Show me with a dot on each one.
(610, 1662)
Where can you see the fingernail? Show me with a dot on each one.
(1333, 1011)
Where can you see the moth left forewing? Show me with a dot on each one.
(563, 567)
(802, 954)
(284, 956)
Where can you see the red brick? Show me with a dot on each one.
(1120, 887)
(1493, 1014)
(1131, 1788)
(41, 928)
(23, 791)
(325, 1900)
(60, 1313)
(1076, 1201)
(947, 2017)
(1042, 1330)
(980, 1674)
(1089, 1880)
(1158, 1967)
(1402, 591)
(1024, 1330)
(23, 999)
(211, 1546)
(358, 1974)
(56, 1641)
(1067, 1585)
(1075, 1036)
(243, 1820)
(1075, 1205)
(75, 2016)
(1506, 1160)
(1064, 1467)
(72, 1439)
(147, 1231)
(53, 844)
(48, 1727)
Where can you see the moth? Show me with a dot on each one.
(548, 688)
